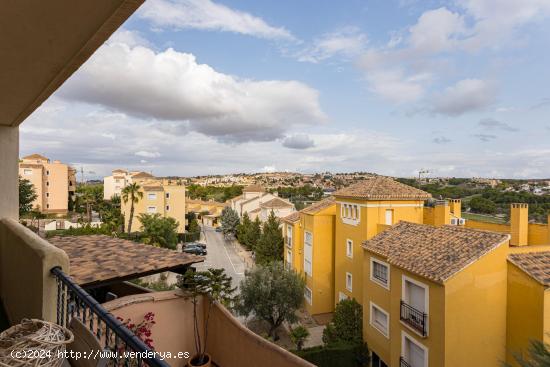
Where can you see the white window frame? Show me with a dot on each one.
(349, 248)
(308, 295)
(350, 277)
(405, 297)
(350, 213)
(151, 209)
(27, 172)
(392, 212)
(310, 261)
(289, 235)
(151, 196)
(404, 336)
(375, 280)
(289, 258)
(385, 332)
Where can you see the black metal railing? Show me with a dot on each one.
(126, 348)
(414, 318)
(403, 362)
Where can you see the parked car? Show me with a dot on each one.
(218, 229)
(194, 244)
(195, 250)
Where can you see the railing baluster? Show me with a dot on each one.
(72, 299)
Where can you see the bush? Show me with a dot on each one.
(340, 354)
(189, 237)
(82, 231)
(346, 325)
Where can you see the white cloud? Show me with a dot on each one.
(465, 96)
(436, 31)
(298, 141)
(129, 37)
(208, 15)
(346, 42)
(173, 86)
(393, 85)
(146, 154)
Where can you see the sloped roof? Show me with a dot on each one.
(142, 175)
(153, 188)
(318, 206)
(36, 156)
(99, 259)
(254, 188)
(382, 188)
(535, 264)
(276, 203)
(292, 218)
(435, 253)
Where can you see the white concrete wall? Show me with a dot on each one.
(9, 170)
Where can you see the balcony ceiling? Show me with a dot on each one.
(43, 42)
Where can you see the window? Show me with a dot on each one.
(289, 236)
(308, 253)
(289, 258)
(350, 213)
(342, 296)
(151, 209)
(379, 272)
(168, 195)
(349, 248)
(47, 183)
(27, 172)
(389, 217)
(308, 295)
(167, 208)
(152, 196)
(377, 362)
(47, 173)
(47, 206)
(349, 282)
(379, 319)
(47, 194)
(414, 353)
(414, 305)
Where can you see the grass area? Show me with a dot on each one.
(484, 218)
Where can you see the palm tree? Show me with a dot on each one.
(131, 193)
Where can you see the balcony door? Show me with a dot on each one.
(416, 297)
(414, 354)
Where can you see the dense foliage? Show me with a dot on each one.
(229, 221)
(220, 194)
(301, 193)
(270, 245)
(538, 356)
(341, 355)
(298, 336)
(346, 325)
(271, 293)
(27, 194)
(159, 231)
(479, 204)
(132, 194)
(249, 232)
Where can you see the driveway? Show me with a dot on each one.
(221, 254)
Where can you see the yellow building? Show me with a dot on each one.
(167, 199)
(120, 178)
(363, 210)
(294, 245)
(208, 212)
(435, 296)
(54, 183)
(528, 307)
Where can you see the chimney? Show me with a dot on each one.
(519, 224)
(456, 207)
(442, 213)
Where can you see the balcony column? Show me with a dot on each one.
(9, 157)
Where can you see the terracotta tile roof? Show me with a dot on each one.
(236, 198)
(142, 175)
(98, 259)
(535, 264)
(291, 218)
(382, 188)
(257, 210)
(318, 206)
(435, 253)
(153, 188)
(30, 165)
(276, 203)
(254, 188)
(36, 156)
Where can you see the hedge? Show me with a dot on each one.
(189, 237)
(341, 355)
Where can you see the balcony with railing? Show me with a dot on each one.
(416, 319)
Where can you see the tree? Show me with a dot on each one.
(481, 205)
(230, 221)
(193, 226)
(298, 336)
(346, 325)
(214, 284)
(270, 245)
(271, 293)
(27, 194)
(111, 216)
(133, 194)
(538, 355)
(159, 231)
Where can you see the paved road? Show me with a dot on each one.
(222, 254)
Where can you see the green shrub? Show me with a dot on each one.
(338, 354)
(346, 325)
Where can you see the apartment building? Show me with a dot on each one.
(54, 183)
(259, 204)
(165, 198)
(435, 296)
(119, 179)
(364, 209)
(208, 212)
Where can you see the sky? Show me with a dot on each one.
(194, 87)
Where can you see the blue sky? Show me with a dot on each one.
(189, 87)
